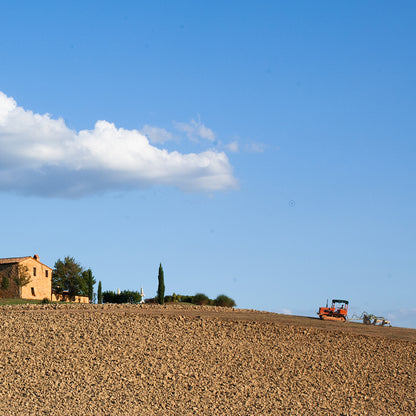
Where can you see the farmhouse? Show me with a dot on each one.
(25, 278)
(64, 297)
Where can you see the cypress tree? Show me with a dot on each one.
(161, 286)
(100, 293)
(91, 282)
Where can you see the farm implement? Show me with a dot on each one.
(370, 319)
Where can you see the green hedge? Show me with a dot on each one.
(126, 296)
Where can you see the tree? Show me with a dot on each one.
(100, 293)
(88, 282)
(22, 278)
(223, 300)
(161, 286)
(125, 296)
(91, 283)
(67, 275)
(201, 299)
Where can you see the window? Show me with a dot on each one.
(33, 291)
(46, 273)
(34, 271)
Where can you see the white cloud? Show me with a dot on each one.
(195, 130)
(285, 311)
(405, 317)
(233, 146)
(254, 147)
(42, 156)
(156, 134)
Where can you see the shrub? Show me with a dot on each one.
(126, 296)
(223, 300)
(45, 301)
(201, 299)
(187, 299)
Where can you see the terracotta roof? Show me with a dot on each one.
(15, 260)
(11, 260)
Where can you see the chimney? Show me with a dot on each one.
(36, 257)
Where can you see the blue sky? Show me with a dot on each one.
(265, 150)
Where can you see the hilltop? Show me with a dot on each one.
(183, 360)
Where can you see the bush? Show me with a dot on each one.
(45, 301)
(126, 296)
(223, 300)
(201, 299)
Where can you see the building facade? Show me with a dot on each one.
(25, 278)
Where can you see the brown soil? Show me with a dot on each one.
(176, 360)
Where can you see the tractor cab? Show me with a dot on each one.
(337, 312)
(340, 305)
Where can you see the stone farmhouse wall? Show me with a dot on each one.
(63, 297)
(40, 285)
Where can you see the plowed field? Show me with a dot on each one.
(177, 360)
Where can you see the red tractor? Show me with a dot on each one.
(337, 312)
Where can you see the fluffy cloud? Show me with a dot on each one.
(42, 156)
